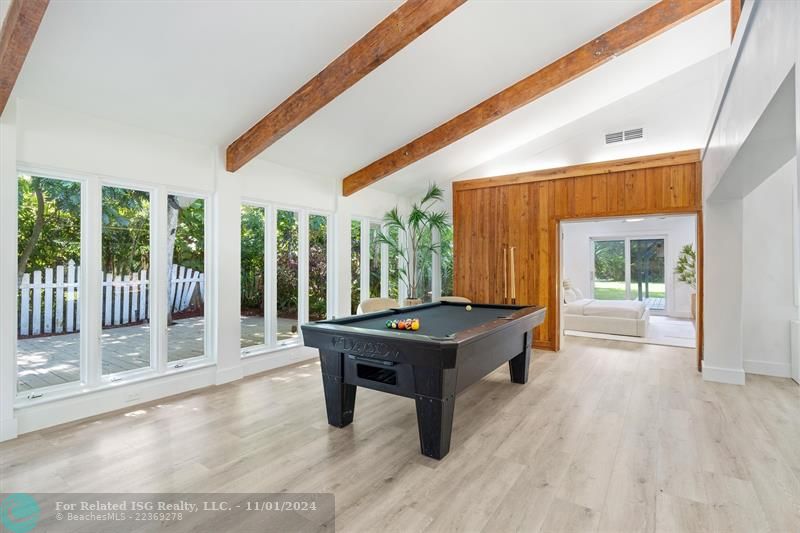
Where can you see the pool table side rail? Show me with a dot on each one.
(339, 325)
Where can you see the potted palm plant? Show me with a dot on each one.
(409, 239)
(686, 271)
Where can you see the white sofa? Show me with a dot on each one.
(616, 317)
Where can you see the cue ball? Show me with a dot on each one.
(468, 308)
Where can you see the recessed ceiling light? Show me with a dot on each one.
(633, 219)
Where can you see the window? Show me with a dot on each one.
(446, 254)
(186, 288)
(355, 265)
(252, 318)
(424, 288)
(49, 258)
(317, 267)
(375, 260)
(395, 266)
(285, 255)
(287, 268)
(126, 301)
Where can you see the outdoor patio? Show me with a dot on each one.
(54, 360)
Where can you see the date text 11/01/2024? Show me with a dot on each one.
(184, 506)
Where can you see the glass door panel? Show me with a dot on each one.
(647, 272)
(608, 279)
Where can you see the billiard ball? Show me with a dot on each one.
(409, 322)
(401, 324)
(415, 324)
(468, 308)
(394, 324)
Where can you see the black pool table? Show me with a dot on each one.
(452, 349)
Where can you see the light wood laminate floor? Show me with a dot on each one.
(606, 436)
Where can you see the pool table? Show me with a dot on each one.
(452, 349)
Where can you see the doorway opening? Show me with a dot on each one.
(630, 279)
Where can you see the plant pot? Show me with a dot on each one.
(694, 306)
(411, 301)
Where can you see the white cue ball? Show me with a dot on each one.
(468, 308)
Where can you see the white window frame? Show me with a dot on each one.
(90, 280)
(364, 262)
(209, 319)
(271, 273)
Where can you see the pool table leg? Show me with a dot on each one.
(340, 397)
(518, 365)
(435, 397)
(340, 401)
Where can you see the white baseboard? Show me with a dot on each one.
(51, 413)
(269, 361)
(732, 376)
(767, 368)
(8, 429)
(226, 375)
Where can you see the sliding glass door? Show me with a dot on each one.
(609, 281)
(630, 269)
(647, 272)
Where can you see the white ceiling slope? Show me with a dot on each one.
(674, 112)
(696, 40)
(200, 70)
(206, 71)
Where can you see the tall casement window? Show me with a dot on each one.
(373, 269)
(48, 275)
(126, 266)
(112, 283)
(186, 257)
(253, 276)
(446, 260)
(318, 274)
(355, 265)
(287, 243)
(285, 279)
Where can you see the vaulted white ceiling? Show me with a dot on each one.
(206, 71)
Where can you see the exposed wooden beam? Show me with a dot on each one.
(585, 169)
(405, 24)
(16, 36)
(631, 33)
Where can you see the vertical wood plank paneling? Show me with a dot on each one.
(600, 194)
(527, 215)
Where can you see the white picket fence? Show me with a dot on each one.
(48, 301)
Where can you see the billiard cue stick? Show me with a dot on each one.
(505, 275)
(513, 280)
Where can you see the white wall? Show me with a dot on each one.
(65, 143)
(763, 54)
(768, 295)
(577, 255)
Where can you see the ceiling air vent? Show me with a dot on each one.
(625, 136)
(637, 133)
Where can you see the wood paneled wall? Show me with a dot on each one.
(526, 214)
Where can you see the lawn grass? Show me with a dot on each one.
(615, 290)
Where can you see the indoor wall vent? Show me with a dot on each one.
(625, 136)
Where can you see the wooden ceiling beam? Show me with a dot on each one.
(631, 33)
(402, 26)
(16, 36)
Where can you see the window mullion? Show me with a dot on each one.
(364, 259)
(90, 285)
(303, 268)
(271, 265)
(160, 279)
